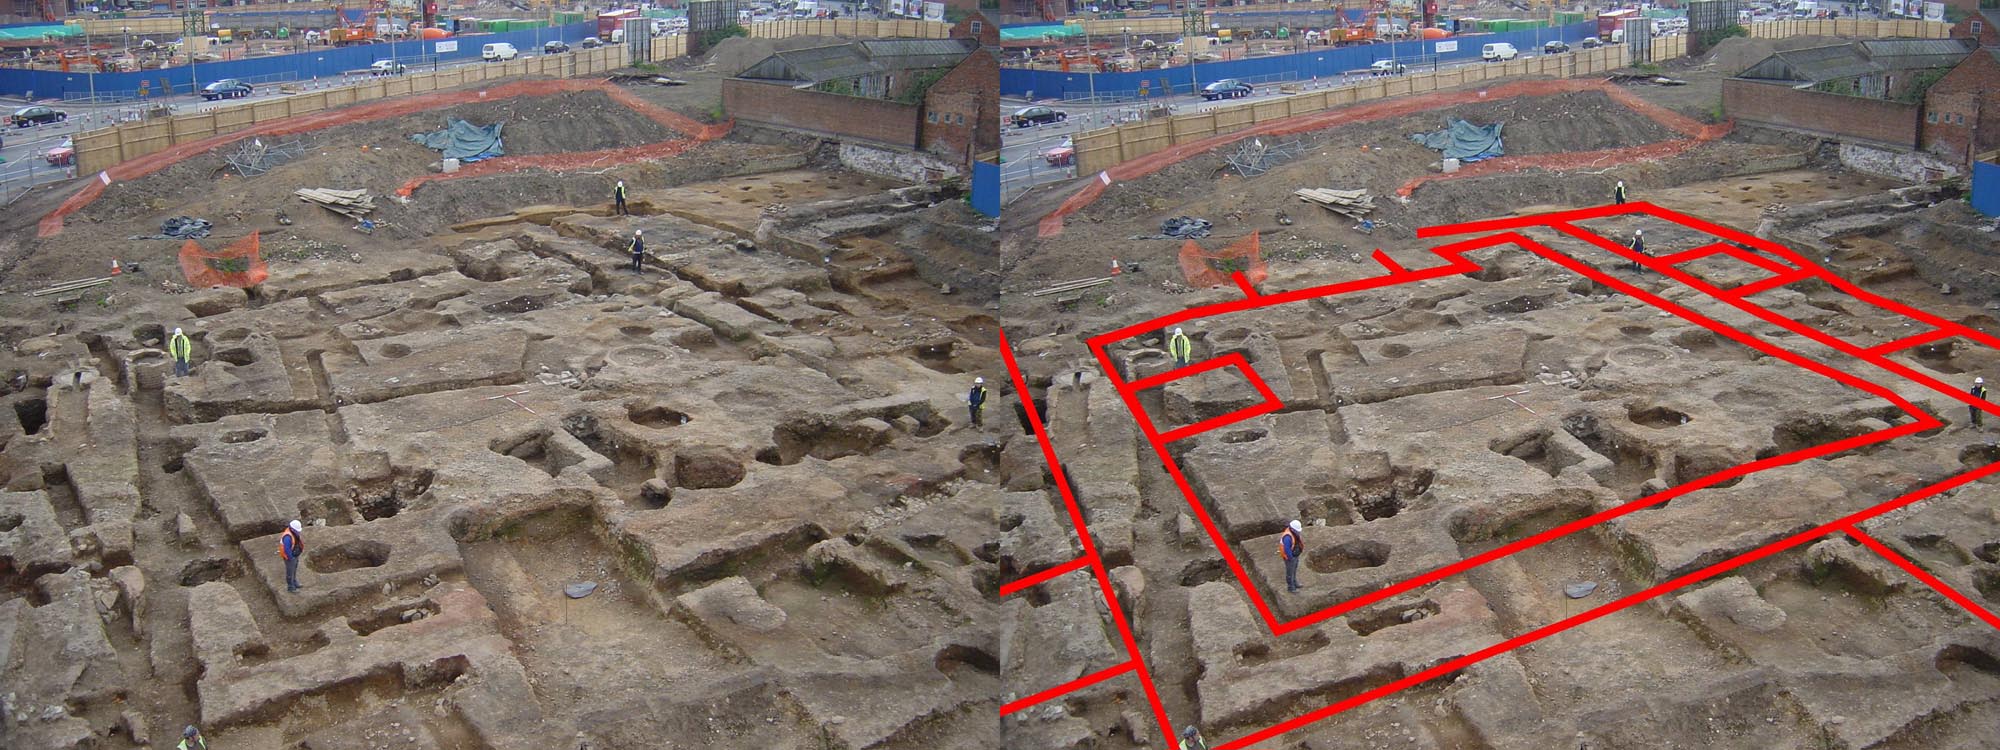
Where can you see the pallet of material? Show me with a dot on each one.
(1353, 204)
(350, 203)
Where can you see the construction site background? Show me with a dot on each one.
(1103, 148)
(100, 149)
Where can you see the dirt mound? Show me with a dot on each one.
(576, 121)
(1584, 121)
(1735, 54)
(736, 54)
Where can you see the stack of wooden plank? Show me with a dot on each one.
(353, 204)
(1353, 204)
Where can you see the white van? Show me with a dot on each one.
(1498, 51)
(501, 51)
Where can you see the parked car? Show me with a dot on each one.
(554, 48)
(62, 155)
(1554, 48)
(1498, 51)
(1038, 115)
(386, 68)
(1061, 156)
(591, 42)
(498, 51)
(1227, 88)
(1590, 42)
(1386, 68)
(227, 88)
(36, 115)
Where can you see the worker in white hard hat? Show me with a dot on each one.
(638, 251)
(1638, 247)
(1181, 347)
(976, 399)
(1978, 392)
(618, 194)
(1292, 545)
(182, 350)
(1617, 193)
(292, 545)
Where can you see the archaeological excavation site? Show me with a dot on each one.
(1731, 490)
(732, 498)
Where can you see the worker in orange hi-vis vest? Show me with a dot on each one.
(291, 545)
(1291, 545)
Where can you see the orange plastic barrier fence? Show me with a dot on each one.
(52, 224)
(1052, 224)
(1205, 269)
(238, 265)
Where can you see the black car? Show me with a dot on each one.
(227, 88)
(1227, 88)
(554, 48)
(1554, 48)
(1590, 42)
(36, 115)
(1031, 116)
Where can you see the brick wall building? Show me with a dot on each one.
(853, 91)
(1981, 26)
(877, 121)
(1962, 111)
(1875, 120)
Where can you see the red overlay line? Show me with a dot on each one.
(1932, 581)
(1021, 584)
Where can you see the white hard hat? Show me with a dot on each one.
(1177, 331)
(296, 526)
(1978, 380)
(1620, 182)
(637, 232)
(177, 332)
(977, 381)
(622, 183)
(1638, 231)
(1296, 526)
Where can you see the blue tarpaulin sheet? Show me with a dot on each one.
(1464, 141)
(464, 141)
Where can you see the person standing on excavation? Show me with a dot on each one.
(638, 251)
(618, 194)
(291, 545)
(1638, 248)
(1291, 545)
(191, 740)
(1978, 392)
(1617, 193)
(182, 350)
(976, 399)
(1181, 347)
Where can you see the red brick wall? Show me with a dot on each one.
(961, 113)
(1964, 104)
(1891, 123)
(988, 33)
(779, 105)
(1988, 36)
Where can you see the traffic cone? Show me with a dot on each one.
(1115, 270)
(115, 268)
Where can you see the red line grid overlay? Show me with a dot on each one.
(1782, 267)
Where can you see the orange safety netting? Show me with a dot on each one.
(1380, 109)
(52, 224)
(1205, 269)
(237, 265)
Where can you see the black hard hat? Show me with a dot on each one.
(190, 731)
(1190, 731)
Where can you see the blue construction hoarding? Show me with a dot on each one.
(986, 188)
(1322, 62)
(1986, 187)
(322, 62)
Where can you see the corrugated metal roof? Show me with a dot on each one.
(1917, 54)
(853, 60)
(1852, 60)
